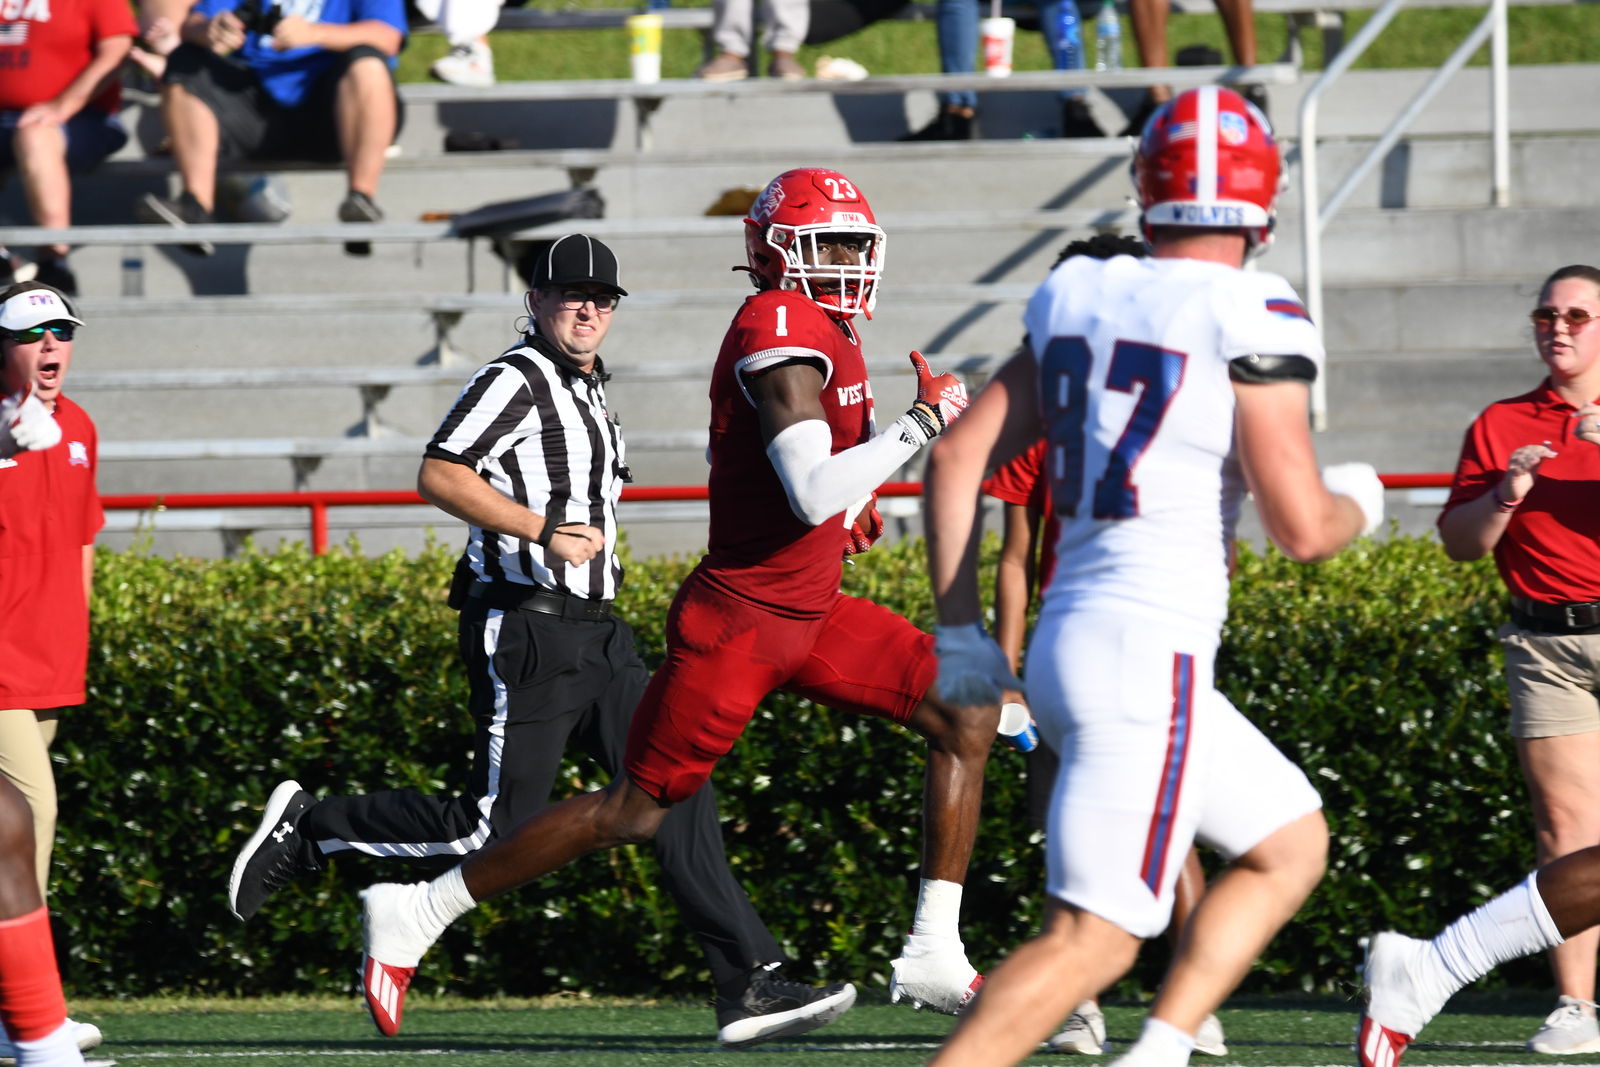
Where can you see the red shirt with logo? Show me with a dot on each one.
(760, 550)
(44, 44)
(49, 510)
(1550, 550)
(1022, 481)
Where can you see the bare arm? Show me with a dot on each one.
(457, 490)
(1014, 579)
(1471, 530)
(1280, 466)
(1000, 423)
(109, 52)
(88, 572)
(295, 32)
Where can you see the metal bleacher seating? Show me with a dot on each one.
(280, 363)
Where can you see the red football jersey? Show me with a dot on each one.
(760, 549)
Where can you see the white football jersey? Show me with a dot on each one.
(1138, 409)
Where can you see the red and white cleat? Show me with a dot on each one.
(1379, 1046)
(384, 988)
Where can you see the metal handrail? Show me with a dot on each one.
(317, 502)
(1315, 215)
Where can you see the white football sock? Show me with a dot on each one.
(938, 910)
(1512, 925)
(447, 899)
(1160, 1044)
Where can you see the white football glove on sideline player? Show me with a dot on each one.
(26, 425)
(1359, 482)
(972, 669)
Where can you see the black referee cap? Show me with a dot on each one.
(577, 259)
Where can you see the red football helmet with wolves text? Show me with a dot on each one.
(1208, 159)
(781, 239)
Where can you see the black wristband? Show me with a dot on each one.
(1506, 506)
(547, 532)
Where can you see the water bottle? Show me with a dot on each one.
(132, 271)
(1107, 38)
(1068, 38)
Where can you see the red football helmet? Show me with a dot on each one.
(780, 239)
(1208, 159)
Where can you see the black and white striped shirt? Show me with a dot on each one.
(536, 428)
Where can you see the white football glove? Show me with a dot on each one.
(972, 669)
(1359, 482)
(26, 425)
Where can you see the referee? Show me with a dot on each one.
(531, 459)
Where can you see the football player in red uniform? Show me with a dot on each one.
(795, 462)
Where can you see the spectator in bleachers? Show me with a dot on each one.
(466, 25)
(733, 32)
(956, 120)
(59, 99)
(1149, 18)
(311, 80)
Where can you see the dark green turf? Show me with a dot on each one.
(1270, 1032)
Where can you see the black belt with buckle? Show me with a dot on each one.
(1547, 618)
(516, 597)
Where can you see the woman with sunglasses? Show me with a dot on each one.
(1527, 489)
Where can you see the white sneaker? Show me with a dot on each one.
(85, 1035)
(470, 64)
(1568, 1030)
(933, 973)
(1085, 1032)
(1208, 1040)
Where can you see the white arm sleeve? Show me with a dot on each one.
(821, 486)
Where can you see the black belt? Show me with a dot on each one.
(1556, 618)
(516, 597)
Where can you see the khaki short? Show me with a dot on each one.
(1553, 680)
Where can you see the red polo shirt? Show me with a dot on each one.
(49, 510)
(1551, 548)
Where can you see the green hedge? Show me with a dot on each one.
(211, 681)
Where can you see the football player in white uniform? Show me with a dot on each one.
(1166, 388)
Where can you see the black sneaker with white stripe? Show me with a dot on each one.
(770, 1008)
(275, 853)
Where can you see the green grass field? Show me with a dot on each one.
(1422, 38)
(1265, 1032)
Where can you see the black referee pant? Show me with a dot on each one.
(539, 681)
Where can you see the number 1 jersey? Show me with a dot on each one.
(1138, 410)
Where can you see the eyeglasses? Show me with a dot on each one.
(63, 331)
(574, 299)
(1544, 319)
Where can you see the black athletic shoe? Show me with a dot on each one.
(1135, 126)
(359, 207)
(1077, 120)
(770, 1008)
(274, 854)
(947, 126)
(182, 212)
(1257, 95)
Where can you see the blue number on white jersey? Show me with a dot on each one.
(1155, 373)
